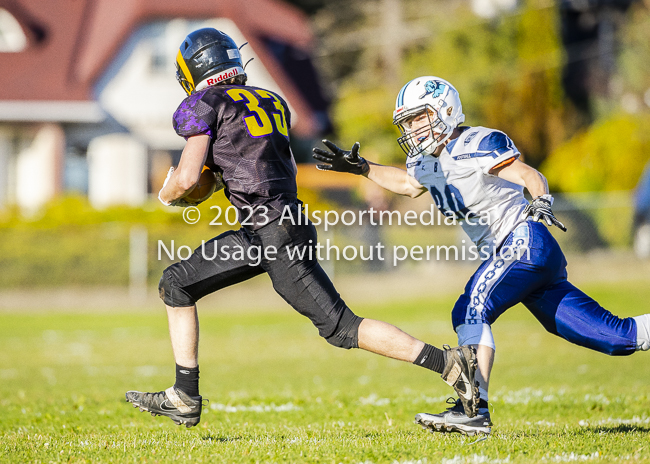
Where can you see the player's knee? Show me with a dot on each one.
(171, 292)
(346, 334)
(616, 348)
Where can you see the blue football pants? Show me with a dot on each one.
(530, 268)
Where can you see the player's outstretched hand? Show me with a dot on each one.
(341, 160)
(540, 210)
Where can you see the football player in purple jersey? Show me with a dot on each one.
(242, 133)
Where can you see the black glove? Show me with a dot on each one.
(341, 160)
(540, 209)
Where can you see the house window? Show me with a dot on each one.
(159, 63)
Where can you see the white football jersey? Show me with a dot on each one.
(489, 208)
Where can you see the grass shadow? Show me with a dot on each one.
(219, 439)
(620, 428)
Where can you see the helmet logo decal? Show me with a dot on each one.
(433, 88)
(227, 74)
(222, 76)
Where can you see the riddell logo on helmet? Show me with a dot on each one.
(218, 78)
(222, 77)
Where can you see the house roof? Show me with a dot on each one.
(71, 42)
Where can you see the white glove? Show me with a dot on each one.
(540, 210)
(179, 201)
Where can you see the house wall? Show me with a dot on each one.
(31, 164)
(39, 166)
(117, 170)
(5, 156)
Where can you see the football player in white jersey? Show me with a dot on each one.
(475, 175)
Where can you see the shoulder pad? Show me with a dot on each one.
(194, 116)
(495, 140)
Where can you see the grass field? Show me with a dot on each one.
(279, 393)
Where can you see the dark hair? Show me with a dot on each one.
(237, 80)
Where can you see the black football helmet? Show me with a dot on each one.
(206, 57)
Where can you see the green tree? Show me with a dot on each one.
(365, 115)
(608, 156)
(634, 60)
(507, 72)
(611, 154)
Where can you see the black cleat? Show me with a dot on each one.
(454, 419)
(459, 372)
(173, 403)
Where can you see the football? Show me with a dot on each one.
(208, 183)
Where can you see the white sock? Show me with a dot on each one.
(475, 334)
(642, 332)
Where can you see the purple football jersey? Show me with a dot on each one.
(250, 146)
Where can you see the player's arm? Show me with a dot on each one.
(391, 178)
(395, 179)
(182, 180)
(520, 173)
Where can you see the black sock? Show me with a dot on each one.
(187, 379)
(482, 404)
(432, 358)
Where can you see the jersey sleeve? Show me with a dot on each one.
(495, 149)
(194, 117)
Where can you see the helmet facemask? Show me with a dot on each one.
(425, 139)
(440, 101)
(183, 81)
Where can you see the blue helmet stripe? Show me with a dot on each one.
(400, 96)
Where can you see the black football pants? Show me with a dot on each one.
(301, 281)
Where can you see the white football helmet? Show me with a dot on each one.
(445, 113)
